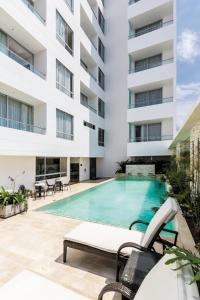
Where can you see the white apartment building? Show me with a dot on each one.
(65, 87)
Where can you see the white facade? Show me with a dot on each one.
(31, 48)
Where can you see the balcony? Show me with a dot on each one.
(148, 102)
(149, 65)
(34, 11)
(26, 64)
(149, 148)
(150, 29)
(9, 123)
(84, 66)
(88, 106)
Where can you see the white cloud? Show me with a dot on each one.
(188, 47)
(187, 95)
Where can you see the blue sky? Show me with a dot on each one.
(188, 56)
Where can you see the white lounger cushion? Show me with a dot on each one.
(162, 283)
(164, 215)
(29, 286)
(109, 238)
(104, 237)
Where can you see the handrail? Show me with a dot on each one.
(148, 65)
(151, 139)
(70, 5)
(26, 64)
(93, 77)
(69, 49)
(64, 135)
(34, 11)
(9, 123)
(150, 29)
(64, 89)
(151, 102)
(88, 106)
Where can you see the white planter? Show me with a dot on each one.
(11, 210)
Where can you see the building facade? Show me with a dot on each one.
(65, 87)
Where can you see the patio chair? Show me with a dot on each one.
(161, 283)
(66, 183)
(50, 187)
(39, 189)
(114, 242)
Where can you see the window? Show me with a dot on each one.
(50, 167)
(101, 50)
(70, 4)
(101, 79)
(101, 108)
(90, 125)
(64, 125)
(101, 137)
(145, 132)
(148, 28)
(148, 98)
(101, 21)
(64, 79)
(15, 114)
(64, 33)
(149, 62)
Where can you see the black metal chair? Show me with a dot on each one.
(50, 187)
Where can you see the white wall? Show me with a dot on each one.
(14, 166)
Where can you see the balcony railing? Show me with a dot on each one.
(88, 106)
(60, 39)
(151, 139)
(150, 29)
(63, 89)
(150, 65)
(9, 123)
(91, 75)
(34, 11)
(64, 135)
(93, 44)
(147, 102)
(70, 4)
(20, 60)
(132, 1)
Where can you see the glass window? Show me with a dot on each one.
(147, 63)
(50, 167)
(64, 79)
(148, 98)
(101, 108)
(70, 4)
(40, 166)
(101, 21)
(101, 137)
(101, 79)
(64, 33)
(101, 50)
(84, 99)
(148, 28)
(154, 132)
(64, 125)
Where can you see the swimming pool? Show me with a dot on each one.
(117, 202)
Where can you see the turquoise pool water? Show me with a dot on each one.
(117, 202)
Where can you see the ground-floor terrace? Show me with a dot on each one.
(34, 241)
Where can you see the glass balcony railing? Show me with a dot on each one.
(64, 135)
(149, 65)
(149, 102)
(34, 11)
(150, 29)
(9, 123)
(67, 47)
(26, 64)
(88, 106)
(63, 89)
(151, 138)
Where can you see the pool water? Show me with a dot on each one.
(118, 202)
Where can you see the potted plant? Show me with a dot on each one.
(12, 203)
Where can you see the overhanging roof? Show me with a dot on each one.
(184, 132)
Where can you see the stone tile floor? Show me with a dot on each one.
(33, 241)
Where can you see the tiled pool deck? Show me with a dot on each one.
(33, 241)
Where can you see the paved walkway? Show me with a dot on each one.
(33, 241)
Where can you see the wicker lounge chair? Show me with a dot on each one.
(111, 241)
(161, 283)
